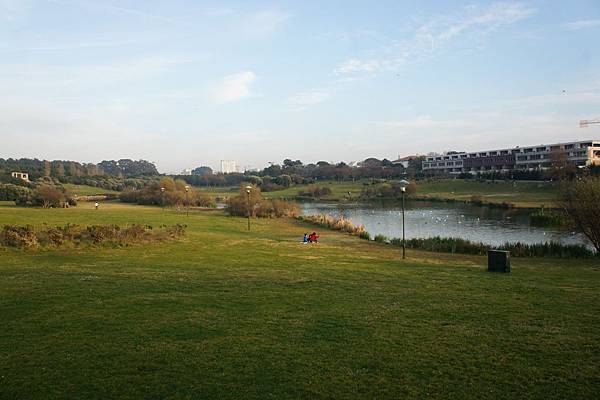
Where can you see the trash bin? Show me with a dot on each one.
(498, 261)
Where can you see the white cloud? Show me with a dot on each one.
(264, 22)
(355, 65)
(13, 10)
(309, 98)
(234, 87)
(430, 37)
(582, 24)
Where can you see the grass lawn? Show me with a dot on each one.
(84, 190)
(225, 313)
(522, 194)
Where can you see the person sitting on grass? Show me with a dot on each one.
(313, 238)
(305, 238)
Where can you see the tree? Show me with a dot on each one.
(47, 168)
(202, 170)
(580, 200)
(48, 196)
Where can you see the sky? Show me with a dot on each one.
(189, 83)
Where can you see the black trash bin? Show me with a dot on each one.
(498, 261)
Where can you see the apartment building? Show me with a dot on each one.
(581, 153)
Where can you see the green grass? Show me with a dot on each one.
(84, 190)
(522, 193)
(226, 313)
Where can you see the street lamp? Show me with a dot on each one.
(187, 201)
(403, 185)
(248, 188)
(162, 197)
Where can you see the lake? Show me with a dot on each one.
(426, 219)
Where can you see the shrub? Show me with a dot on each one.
(315, 191)
(548, 218)
(338, 224)
(392, 190)
(476, 199)
(381, 239)
(48, 196)
(19, 194)
(102, 233)
(19, 236)
(364, 235)
(463, 246)
(174, 194)
(176, 231)
(259, 207)
(27, 237)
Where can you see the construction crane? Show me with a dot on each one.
(584, 123)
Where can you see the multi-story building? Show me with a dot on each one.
(228, 166)
(581, 153)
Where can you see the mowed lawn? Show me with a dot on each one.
(84, 190)
(229, 314)
(521, 193)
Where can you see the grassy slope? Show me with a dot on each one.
(227, 314)
(522, 194)
(84, 190)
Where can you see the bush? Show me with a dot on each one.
(48, 196)
(315, 191)
(19, 236)
(463, 246)
(381, 239)
(259, 207)
(389, 190)
(174, 194)
(27, 237)
(19, 194)
(548, 218)
(337, 224)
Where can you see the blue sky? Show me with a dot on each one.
(188, 83)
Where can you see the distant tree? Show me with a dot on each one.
(560, 168)
(47, 168)
(48, 196)
(580, 200)
(59, 169)
(202, 170)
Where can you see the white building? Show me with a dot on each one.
(20, 175)
(228, 166)
(581, 154)
(186, 172)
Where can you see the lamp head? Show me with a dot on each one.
(187, 188)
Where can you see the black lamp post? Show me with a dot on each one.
(403, 185)
(187, 201)
(248, 188)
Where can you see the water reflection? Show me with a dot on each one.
(426, 219)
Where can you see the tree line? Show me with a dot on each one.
(65, 170)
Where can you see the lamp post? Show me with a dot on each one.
(162, 197)
(187, 201)
(248, 188)
(403, 185)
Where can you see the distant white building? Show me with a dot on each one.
(20, 175)
(186, 172)
(228, 166)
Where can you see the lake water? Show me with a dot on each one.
(426, 219)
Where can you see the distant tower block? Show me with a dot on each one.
(228, 166)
